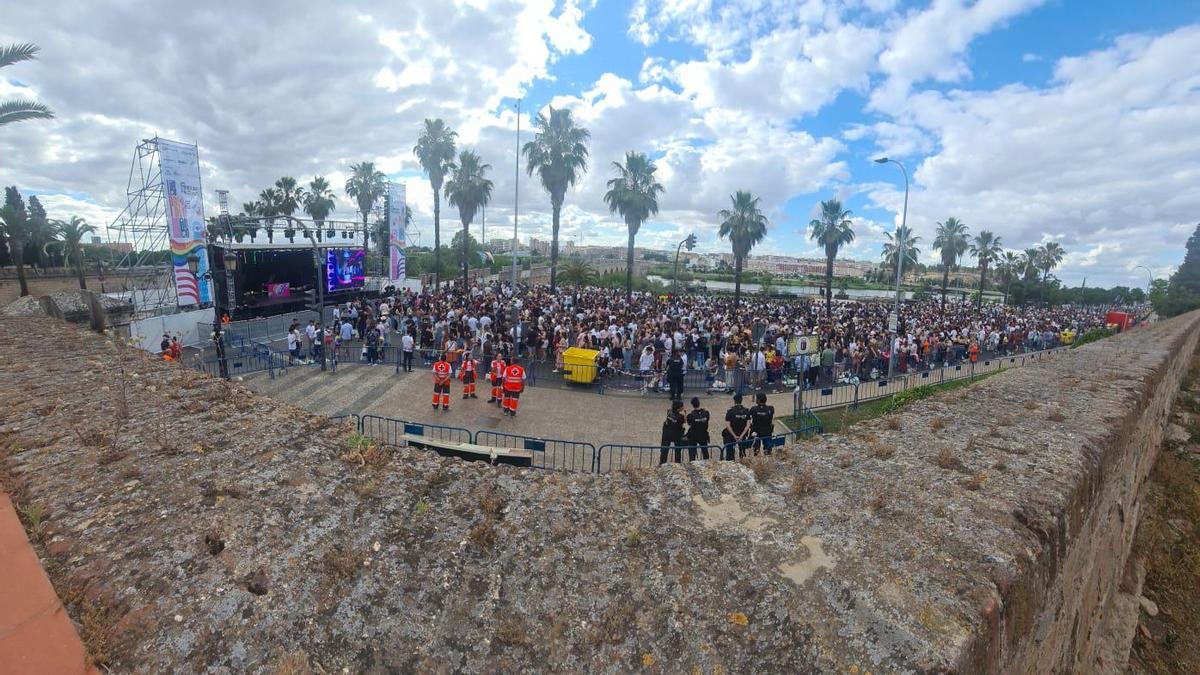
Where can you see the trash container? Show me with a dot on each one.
(579, 365)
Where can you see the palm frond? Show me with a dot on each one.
(23, 109)
(17, 52)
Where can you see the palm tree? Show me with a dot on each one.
(435, 152)
(986, 248)
(268, 207)
(248, 221)
(634, 194)
(1010, 263)
(951, 241)
(832, 230)
(72, 233)
(20, 109)
(16, 229)
(558, 152)
(1049, 256)
(366, 186)
(907, 241)
(468, 189)
(319, 202)
(744, 225)
(577, 274)
(290, 197)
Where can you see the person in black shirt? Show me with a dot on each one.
(675, 376)
(697, 433)
(737, 428)
(672, 432)
(762, 423)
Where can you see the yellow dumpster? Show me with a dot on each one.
(579, 365)
(1067, 337)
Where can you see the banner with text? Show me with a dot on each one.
(396, 213)
(180, 167)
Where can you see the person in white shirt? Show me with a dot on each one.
(406, 348)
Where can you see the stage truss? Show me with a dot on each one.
(150, 282)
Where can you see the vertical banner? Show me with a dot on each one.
(396, 212)
(180, 167)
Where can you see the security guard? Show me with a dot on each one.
(441, 384)
(467, 375)
(762, 423)
(675, 375)
(697, 433)
(496, 376)
(672, 433)
(514, 384)
(737, 429)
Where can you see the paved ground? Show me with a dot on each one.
(546, 411)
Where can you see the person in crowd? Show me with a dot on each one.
(467, 375)
(496, 377)
(675, 367)
(697, 431)
(407, 345)
(762, 423)
(372, 345)
(737, 429)
(293, 344)
(441, 384)
(672, 433)
(514, 384)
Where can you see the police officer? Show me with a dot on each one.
(675, 375)
(762, 423)
(737, 428)
(697, 433)
(672, 433)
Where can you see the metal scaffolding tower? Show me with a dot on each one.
(142, 225)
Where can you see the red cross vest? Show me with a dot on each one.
(498, 369)
(514, 378)
(441, 372)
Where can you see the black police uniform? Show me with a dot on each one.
(762, 424)
(697, 433)
(672, 435)
(738, 418)
(675, 377)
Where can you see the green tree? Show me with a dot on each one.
(246, 222)
(268, 208)
(832, 231)
(744, 225)
(291, 196)
(558, 152)
(906, 241)
(470, 190)
(16, 229)
(1011, 265)
(577, 274)
(951, 242)
(435, 151)
(1049, 255)
(18, 110)
(1183, 290)
(72, 233)
(319, 202)
(986, 248)
(634, 194)
(365, 185)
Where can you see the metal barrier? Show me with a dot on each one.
(548, 453)
(245, 362)
(352, 417)
(613, 456)
(391, 431)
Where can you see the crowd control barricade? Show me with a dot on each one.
(353, 418)
(391, 431)
(548, 453)
(614, 456)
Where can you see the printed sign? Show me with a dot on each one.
(179, 165)
(396, 208)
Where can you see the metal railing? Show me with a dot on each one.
(390, 431)
(613, 456)
(548, 453)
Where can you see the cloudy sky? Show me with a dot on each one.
(1072, 120)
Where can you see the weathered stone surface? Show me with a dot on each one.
(1002, 563)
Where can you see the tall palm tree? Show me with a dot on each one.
(577, 274)
(435, 152)
(634, 194)
(1050, 255)
(249, 222)
(20, 109)
(290, 197)
(832, 230)
(951, 241)
(907, 241)
(15, 223)
(268, 207)
(319, 202)
(744, 225)
(986, 248)
(72, 233)
(470, 190)
(1010, 263)
(558, 152)
(365, 185)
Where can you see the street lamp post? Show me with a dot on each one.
(218, 334)
(1150, 275)
(516, 211)
(899, 264)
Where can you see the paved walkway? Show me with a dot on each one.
(546, 411)
(36, 635)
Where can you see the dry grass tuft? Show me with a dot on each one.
(880, 449)
(845, 460)
(937, 424)
(342, 563)
(491, 501)
(975, 482)
(293, 663)
(947, 460)
(483, 535)
(803, 484)
(365, 452)
(511, 632)
(1056, 416)
(877, 503)
(763, 466)
(892, 422)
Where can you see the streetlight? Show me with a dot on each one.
(1150, 274)
(899, 265)
(690, 242)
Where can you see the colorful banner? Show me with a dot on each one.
(180, 167)
(282, 290)
(396, 207)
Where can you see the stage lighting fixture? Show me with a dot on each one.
(193, 263)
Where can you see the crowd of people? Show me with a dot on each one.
(658, 339)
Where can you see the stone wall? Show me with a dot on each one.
(980, 531)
